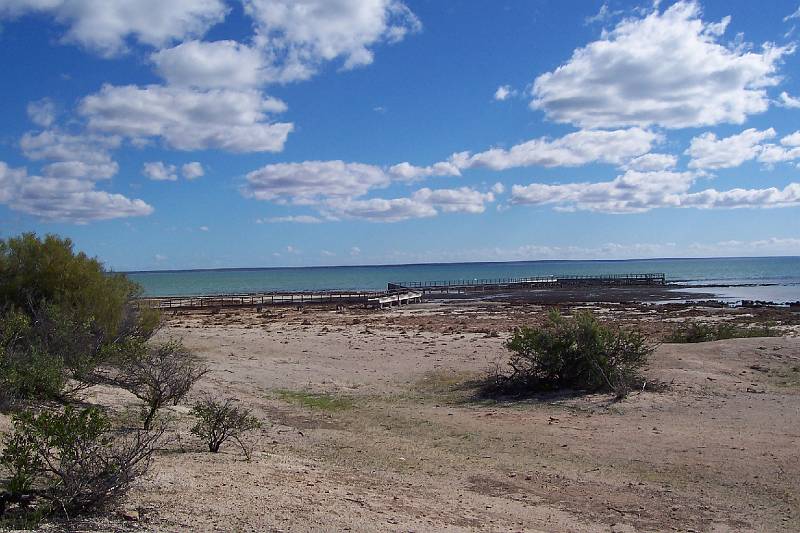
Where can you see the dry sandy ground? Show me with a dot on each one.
(372, 426)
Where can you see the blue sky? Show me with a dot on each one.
(214, 133)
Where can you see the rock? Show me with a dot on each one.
(129, 515)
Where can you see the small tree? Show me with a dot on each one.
(578, 353)
(220, 421)
(61, 315)
(73, 460)
(35, 270)
(158, 376)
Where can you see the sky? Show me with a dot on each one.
(248, 133)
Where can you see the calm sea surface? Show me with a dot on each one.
(762, 278)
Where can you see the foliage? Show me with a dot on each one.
(692, 331)
(220, 421)
(61, 317)
(35, 270)
(72, 461)
(158, 375)
(577, 353)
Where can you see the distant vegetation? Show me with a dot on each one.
(66, 324)
(704, 332)
(578, 353)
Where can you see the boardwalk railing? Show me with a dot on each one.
(530, 282)
(260, 299)
(397, 291)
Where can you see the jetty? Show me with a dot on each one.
(464, 286)
(398, 293)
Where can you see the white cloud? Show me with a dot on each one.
(297, 219)
(319, 179)
(158, 171)
(203, 228)
(504, 92)
(42, 112)
(299, 35)
(636, 192)
(630, 193)
(186, 119)
(380, 210)
(771, 197)
(218, 64)
(574, 149)
(355, 251)
(326, 253)
(795, 15)
(666, 69)
(62, 199)
(421, 204)
(789, 101)
(192, 170)
(602, 16)
(792, 139)
(708, 152)
(72, 156)
(311, 181)
(106, 25)
(408, 172)
(498, 188)
(461, 200)
(771, 154)
(651, 162)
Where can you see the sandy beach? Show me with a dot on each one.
(372, 424)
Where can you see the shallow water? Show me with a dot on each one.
(779, 275)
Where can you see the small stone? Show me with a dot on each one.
(130, 516)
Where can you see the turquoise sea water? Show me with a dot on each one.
(767, 278)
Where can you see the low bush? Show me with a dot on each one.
(690, 332)
(71, 462)
(577, 353)
(221, 421)
(158, 376)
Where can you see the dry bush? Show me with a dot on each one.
(72, 462)
(219, 421)
(159, 375)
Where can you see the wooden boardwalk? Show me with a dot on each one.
(397, 293)
(529, 283)
(261, 299)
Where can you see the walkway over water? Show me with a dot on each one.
(398, 293)
(530, 283)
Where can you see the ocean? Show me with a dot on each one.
(752, 278)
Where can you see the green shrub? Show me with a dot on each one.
(220, 421)
(61, 317)
(577, 353)
(692, 331)
(71, 462)
(33, 270)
